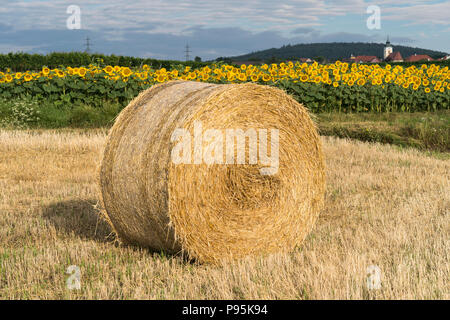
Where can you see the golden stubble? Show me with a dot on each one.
(384, 206)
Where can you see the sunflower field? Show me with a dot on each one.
(329, 87)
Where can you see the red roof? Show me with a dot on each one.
(367, 59)
(394, 56)
(418, 57)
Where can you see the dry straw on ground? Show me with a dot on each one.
(385, 206)
(214, 211)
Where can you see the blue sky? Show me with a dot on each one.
(161, 28)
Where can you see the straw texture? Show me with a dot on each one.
(211, 211)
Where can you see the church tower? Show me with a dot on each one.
(387, 49)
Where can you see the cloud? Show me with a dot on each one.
(5, 28)
(348, 37)
(208, 43)
(435, 13)
(7, 48)
(403, 40)
(173, 16)
(305, 30)
(161, 28)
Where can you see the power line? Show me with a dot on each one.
(187, 52)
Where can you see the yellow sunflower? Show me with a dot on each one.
(192, 75)
(266, 77)
(242, 77)
(126, 72)
(108, 69)
(82, 71)
(160, 78)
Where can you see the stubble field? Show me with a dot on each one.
(385, 207)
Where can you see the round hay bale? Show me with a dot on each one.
(169, 182)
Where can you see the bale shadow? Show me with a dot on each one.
(80, 218)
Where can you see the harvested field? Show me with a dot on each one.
(384, 206)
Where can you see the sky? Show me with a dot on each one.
(161, 29)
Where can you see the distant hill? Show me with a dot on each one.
(331, 51)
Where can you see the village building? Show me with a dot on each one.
(365, 59)
(389, 54)
(305, 60)
(394, 57)
(388, 49)
(418, 57)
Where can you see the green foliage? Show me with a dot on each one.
(20, 62)
(90, 117)
(368, 98)
(92, 90)
(20, 114)
(26, 113)
(422, 130)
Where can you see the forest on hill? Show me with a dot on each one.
(329, 51)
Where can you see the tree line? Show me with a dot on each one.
(20, 62)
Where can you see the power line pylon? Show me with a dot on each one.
(88, 45)
(187, 52)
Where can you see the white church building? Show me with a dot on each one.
(389, 55)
